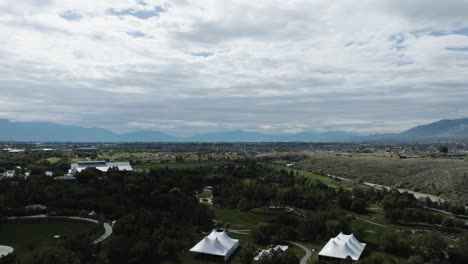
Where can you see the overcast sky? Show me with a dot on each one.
(193, 66)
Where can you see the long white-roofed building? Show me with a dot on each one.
(216, 244)
(103, 166)
(341, 247)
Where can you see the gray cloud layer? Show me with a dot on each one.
(189, 67)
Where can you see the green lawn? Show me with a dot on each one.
(53, 160)
(24, 235)
(125, 156)
(240, 220)
(204, 194)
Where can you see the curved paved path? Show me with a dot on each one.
(107, 228)
(307, 251)
(107, 233)
(368, 221)
(240, 232)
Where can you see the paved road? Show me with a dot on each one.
(107, 228)
(307, 251)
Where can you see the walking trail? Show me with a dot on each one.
(307, 251)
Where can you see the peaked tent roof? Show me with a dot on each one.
(343, 246)
(210, 246)
(223, 238)
(216, 243)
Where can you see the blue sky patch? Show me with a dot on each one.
(458, 48)
(460, 31)
(398, 40)
(137, 34)
(141, 14)
(71, 15)
(202, 54)
(141, 2)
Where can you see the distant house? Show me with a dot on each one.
(208, 189)
(13, 150)
(103, 166)
(49, 173)
(7, 174)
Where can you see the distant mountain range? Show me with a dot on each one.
(438, 131)
(51, 132)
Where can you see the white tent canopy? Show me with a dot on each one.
(5, 250)
(343, 246)
(218, 244)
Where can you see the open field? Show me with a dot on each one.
(240, 220)
(441, 177)
(25, 235)
(172, 165)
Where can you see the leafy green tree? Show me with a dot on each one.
(443, 149)
(264, 232)
(378, 259)
(459, 253)
(332, 227)
(359, 229)
(244, 205)
(389, 241)
(89, 175)
(9, 259)
(431, 245)
(279, 257)
(416, 260)
(246, 254)
(358, 205)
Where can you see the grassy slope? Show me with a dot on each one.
(240, 220)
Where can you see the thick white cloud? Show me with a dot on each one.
(187, 67)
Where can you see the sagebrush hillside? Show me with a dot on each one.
(443, 177)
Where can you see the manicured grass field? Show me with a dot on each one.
(53, 160)
(24, 235)
(267, 211)
(240, 220)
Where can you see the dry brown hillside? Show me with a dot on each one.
(443, 177)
